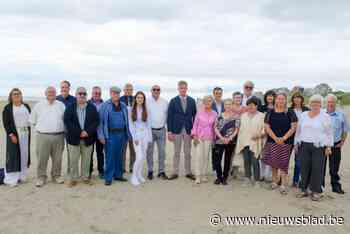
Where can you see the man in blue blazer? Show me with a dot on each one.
(181, 113)
(218, 104)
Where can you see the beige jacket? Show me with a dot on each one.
(251, 126)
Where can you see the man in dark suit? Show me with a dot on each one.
(128, 100)
(218, 104)
(81, 120)
(181, 113)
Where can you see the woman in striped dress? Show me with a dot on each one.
(280, 125)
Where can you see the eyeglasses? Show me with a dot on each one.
(16, 94)
(82, 94)
(156, 90)
(248, 87)
(97, 93)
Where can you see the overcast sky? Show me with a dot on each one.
(206, 42)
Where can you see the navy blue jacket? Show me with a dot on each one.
(73, 129)
(127, 100)
(66, 101)
(177, 118)
(213, 106)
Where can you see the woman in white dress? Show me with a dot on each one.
(17, 127)
(141, 132)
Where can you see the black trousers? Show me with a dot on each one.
(218, 152)
(98, 147)
(251, 162)
(334, 164)
(312, 162)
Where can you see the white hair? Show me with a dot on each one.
(331, 95)
(248, 82)
(316, 98)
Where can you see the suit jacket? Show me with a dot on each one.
(177, 118)
(127, 100)
(73, 129)
(13, 151)
(213, 106)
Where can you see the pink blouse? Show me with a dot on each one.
(203, 126)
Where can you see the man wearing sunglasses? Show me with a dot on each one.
(158, 110)
(248, 92)
(81, 120)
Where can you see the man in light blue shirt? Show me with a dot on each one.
(340, 130)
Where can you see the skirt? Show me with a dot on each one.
(277, 156)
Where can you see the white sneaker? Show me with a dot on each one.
(198, 181)
(142, 180)
(135, 181)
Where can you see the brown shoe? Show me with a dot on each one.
(88, 182)
(71, 184)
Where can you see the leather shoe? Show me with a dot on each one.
(173, 177)
(121, 179)
(338, 190)
(163, 176)
(150, 175)
(191, 177)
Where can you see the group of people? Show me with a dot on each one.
(211, 129)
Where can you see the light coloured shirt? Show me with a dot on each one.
(340, 125)
(21, 116)
(245, 99)
(218, 107)
(81, 112)
(203, 126)
(140, 130)
(317, 130)
(48, 118)
(157, 112)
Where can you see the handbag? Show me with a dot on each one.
(2, 175)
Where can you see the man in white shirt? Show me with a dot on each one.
(158, 111)
(248, 92)
(47, 118)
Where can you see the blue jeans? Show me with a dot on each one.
(297, 166)
(114, 156)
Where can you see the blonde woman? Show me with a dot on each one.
(251, 139)
(280, 126)
(203, 136)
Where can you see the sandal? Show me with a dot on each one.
(273, 186)
(315, 197)
(283, 190)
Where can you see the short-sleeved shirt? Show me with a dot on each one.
(280, 123)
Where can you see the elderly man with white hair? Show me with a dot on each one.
(248, 92)
(47, 117)
(340, 131)
(81, 120)
(314, 136)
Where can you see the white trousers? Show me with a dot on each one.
(12, 178)
(141, 154)
(202, 153)
(265, 171)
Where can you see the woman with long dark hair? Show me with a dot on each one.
(141, 132)
(16, 123)
(298, 107)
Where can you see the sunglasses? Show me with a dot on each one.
(16, 94)
(248, 87)
(156, 90)
(82, 94)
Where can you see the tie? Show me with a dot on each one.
(184, 103)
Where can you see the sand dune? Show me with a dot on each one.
(177, 207)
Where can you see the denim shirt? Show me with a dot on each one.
(105, 111)
(339, 124)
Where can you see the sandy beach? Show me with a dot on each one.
(164, 207)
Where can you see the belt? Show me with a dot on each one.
(51, 133)
(158, 129)
(116, 130)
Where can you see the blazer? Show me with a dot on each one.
(213, 107)
(177, 118)
(13, 151)
(127, 100)
(73, 129)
